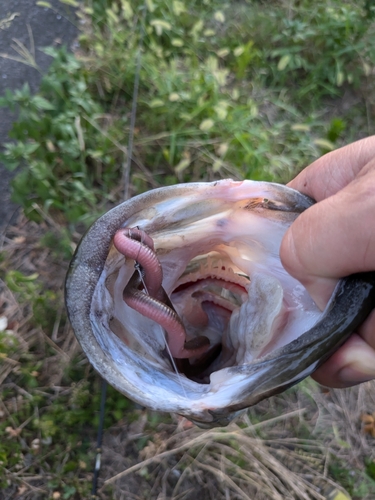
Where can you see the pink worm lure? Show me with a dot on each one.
(153, 301)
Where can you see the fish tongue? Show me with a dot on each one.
(253, 325)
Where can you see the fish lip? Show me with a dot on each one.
(88, 263)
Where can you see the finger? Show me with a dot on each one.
(335, 170)
(352, 364)
(367, 330)
(333, 239)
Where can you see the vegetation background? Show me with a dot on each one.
(243, 89)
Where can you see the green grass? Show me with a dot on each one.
(245, 89)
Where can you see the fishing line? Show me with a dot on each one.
(94, 495)
(173, 363)
(134, 108)
(99, 441)
(138, 268)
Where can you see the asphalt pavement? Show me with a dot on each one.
(49, 27)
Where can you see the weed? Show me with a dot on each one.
(64, 159)
(42, 302)
(360, 486)
(322, 46)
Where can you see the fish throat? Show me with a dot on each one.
(211, 288)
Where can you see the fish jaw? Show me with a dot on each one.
(241, 225)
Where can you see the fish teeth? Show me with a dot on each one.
(213, 266)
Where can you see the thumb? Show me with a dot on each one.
(332, 239)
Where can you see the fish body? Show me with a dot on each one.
(221, 279)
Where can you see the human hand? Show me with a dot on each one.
(335, 238)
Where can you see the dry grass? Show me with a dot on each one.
(263, 461)
(25, 253)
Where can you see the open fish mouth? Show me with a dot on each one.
(179, 299)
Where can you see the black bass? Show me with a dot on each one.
(179, 299)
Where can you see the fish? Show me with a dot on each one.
(179, 299)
